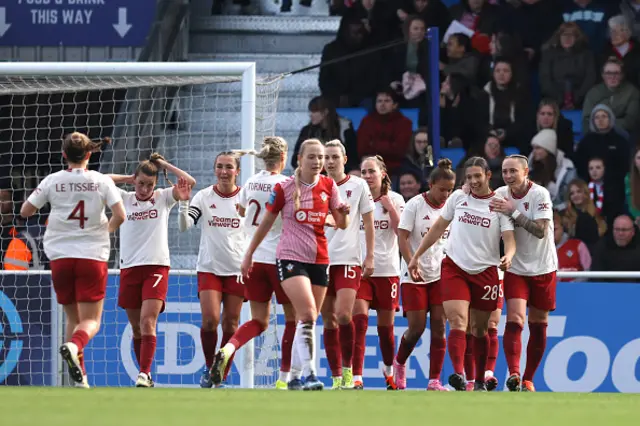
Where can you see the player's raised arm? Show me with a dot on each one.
(122, 179)
(189, 213)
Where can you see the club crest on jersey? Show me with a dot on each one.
(323, 197)
(526, 206)
(348, 193)
(153, 201)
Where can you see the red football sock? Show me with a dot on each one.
(225, 339)
(80, 338)
(361, 323)
(469, 360)
(136, 349)
(147, 352)
(287, 345)
(436, 357)
(346, 333)
(493, 349)
(457, 343)
(246, 332)
(512, 346)
(209, 341)
(481, 350)
(404, 350)
(387, 343)
(332, 349)
(535, 348)
(81, 359)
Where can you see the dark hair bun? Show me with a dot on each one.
(445, 163)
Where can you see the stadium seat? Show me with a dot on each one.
(450, 3)
(357, 114)
(575, 116)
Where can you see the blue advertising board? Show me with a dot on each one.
(25, 330)
(75, 22)
(593, 341)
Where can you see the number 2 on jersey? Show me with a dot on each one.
(78, 214)
(254, 221)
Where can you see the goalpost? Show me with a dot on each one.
(186, 111)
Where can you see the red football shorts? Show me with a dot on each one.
(229, 284)
(481, 290)
(418, 297)
(79, 280)
(381, 292)
(539, 290)
(262, 283)
(343, 276)
(140, 283)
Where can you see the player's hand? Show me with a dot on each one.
(330, 221)
(247, 265)
(466, 188)
(386, 202)
(367, 267)
(505, 263)
(503, 206)
(413, 270)
(183, 189)
(344, 208)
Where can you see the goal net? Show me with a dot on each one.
(186, 111)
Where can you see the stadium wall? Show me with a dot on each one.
(593, 344)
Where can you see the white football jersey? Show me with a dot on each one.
(254, 196)
(144, 235)
(475, 231)
(386, 253)
(418, 217)
(78, 226)
(344, 244)
(223, 240)
(534, 256)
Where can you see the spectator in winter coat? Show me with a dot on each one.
(504, 106)
(549, 117)
(508, 47)
(433, 12)
(459, 103)
(624, 48)
(619, 250)
(619, 95)
(604, 142)
(378, 17)
(326, 125)
(631, 11)
(419, 159)
(477, 15)
(592, 17)
(549, 167)
(573, 254)
(460, 58)
(386, 132)
(581, 218)
(348, 83)
(567, 68)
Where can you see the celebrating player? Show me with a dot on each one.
(302, 253)
(263, 281)
(380, 291)
(144, 253)
(76, 242)
(421, 296)
(222, 244)
(469, 274)
(531, 281)
(346, 266)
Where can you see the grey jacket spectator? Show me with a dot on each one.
(623, 47)
(567, 68)
(619, 250)
(619, 95)
(460, 59)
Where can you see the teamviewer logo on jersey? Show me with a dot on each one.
(12, 348)
(301, 216)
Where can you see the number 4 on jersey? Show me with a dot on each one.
(78, 214)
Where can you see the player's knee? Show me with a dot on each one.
(479, 329)
(148, 325)
(308, 314)
(538, 316)
(517, 317)
(209, 323)
(136, 331)
(229, 325)
(344, 317)
(494, 323)
(438, 328)
(330, 321)
(458, 321)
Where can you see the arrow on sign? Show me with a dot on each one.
(4, 27)
(122, 28)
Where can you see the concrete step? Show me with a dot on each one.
(207, 42)
(293, 25)
(265, 63)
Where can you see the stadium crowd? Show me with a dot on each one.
(556, 81)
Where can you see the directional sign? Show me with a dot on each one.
(75, 22)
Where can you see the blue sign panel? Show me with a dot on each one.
(25, 330)
(75, 22)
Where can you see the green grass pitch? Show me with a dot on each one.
(230, 407)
